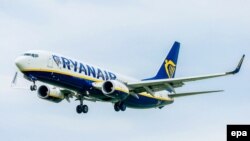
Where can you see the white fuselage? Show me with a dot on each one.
(68, 73)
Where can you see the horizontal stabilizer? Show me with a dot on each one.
(192, 93)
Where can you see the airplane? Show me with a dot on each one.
(68, 78)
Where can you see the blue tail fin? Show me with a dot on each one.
(169, 64)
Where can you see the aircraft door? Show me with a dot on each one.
(50, 63)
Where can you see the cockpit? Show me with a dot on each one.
(31, 54)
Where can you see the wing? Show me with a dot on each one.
(152, 86)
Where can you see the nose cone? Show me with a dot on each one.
(19, 62)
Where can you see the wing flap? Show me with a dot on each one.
(192, 93)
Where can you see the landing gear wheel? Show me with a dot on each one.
(82, 109)
(85, 109)
(123, 107)
(79, 109)
(116, 107)
(33, 87)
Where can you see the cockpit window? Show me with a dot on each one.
(31, 54)
(27, 54)
(35, 55)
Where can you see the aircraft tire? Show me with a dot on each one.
(85, 109)
(116, 107)
(122, 107)
(79, 109)
(33, 87)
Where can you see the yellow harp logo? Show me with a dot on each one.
(170, 68)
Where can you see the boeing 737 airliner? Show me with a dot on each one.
(71, 78)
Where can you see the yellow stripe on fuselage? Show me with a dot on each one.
(91, 79)
(64, 73)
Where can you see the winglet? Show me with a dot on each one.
(238, 67)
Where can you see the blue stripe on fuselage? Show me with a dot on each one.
(80, 85)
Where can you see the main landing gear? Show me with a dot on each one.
(33, 87)
(81, 108)
(120, 106)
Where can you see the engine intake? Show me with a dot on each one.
(50, 94)
(115, 89)
(108, 87)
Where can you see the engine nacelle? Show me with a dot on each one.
(115, 89)
(50, 94)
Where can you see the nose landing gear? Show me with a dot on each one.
(33, 87)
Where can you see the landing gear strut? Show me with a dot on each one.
(33, 87)
(120, 106)
(81, 108)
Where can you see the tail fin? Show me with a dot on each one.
(169, 64)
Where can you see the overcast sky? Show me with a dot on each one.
(130, 37)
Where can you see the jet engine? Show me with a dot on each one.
(113, 89)
(50, 94)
